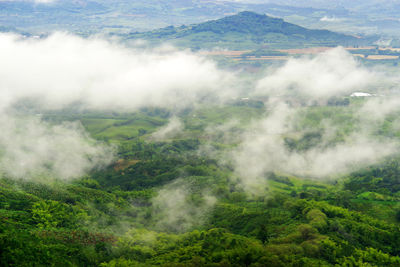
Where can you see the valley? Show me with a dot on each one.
(237, 141)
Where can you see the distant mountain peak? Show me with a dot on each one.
(250, 14)
(249, 23)
(247, 30)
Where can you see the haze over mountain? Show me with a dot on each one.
(133, 135)
(246, 30)
(85, 16)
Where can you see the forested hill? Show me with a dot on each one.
(246, 30)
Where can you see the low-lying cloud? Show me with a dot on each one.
(264, 150)
(178, 208)
(335, 73)
(332, 19)
(328, 74)
(31, 148)
(168, 131)
(63, 70)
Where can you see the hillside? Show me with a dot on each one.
(114, 153)
(122, 16)
(246, 30)
(131, 213)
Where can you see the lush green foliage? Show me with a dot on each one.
(122, 215)
(247, 30)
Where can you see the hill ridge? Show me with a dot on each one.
(247, 30)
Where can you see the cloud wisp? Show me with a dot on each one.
(328, 74)
(63, 70)
(292, 90)
(31, 148)
(179, 208)
(173, 128)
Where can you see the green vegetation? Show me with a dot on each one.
(260, 179)
(246, 30)
(162, 203)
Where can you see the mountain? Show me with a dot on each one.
(123, 16)
(94, 16)
(246, 30)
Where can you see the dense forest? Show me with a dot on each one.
(247, 30)
(166, 203)
(121, 150)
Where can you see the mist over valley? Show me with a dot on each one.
(189, 138)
